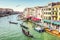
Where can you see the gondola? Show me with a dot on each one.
(23, 26)
(27, 33)
(13, 22)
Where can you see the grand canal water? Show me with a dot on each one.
(13, 32)
(9, 31)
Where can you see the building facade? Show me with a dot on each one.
(56, 12)
(50, 14)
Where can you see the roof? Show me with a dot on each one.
(54, 3)
(56, 6)
(48, 21)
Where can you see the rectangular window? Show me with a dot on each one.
(59, 18)
(49, 18)
(59, 13)
(53, 13)
(53, 8)
(49, 12)
(46, 17)
(59, 8)
(49, 8)
(44, 9)
(46, 13)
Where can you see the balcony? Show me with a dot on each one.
(55, 10)
(54, 15)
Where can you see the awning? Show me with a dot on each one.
(53, 22)
(29, 17)
(56, 23)
(47, 21)
(35, 19)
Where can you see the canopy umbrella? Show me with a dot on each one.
(35, 19)
(29, 17)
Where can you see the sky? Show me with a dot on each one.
(20, 5)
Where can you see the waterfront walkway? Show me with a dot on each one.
(53, 32)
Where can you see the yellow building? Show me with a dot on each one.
(56, 12)
(52, 11)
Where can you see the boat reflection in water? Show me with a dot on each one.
(23, 26)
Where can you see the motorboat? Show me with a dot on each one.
(39, 29)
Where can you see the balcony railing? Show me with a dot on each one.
(54, 15)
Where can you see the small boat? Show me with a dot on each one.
(13, 22)
(23, 26)
(39, 29)
(27, 33)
